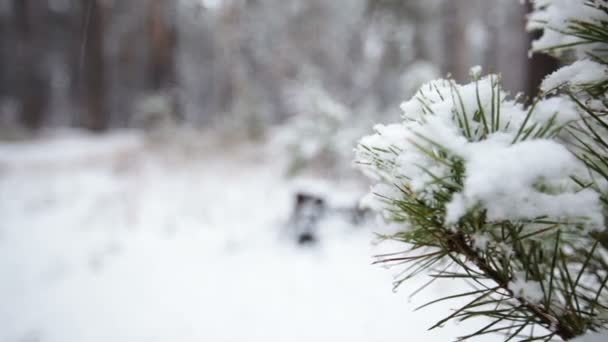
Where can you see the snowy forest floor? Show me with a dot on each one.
(110, 239)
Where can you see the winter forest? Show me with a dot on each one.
(303, 170)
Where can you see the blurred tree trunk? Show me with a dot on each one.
(512, 59)
(162, 33)
(491, 24)
(455, 42)
(7, 55)
(93, 67)
(32, 86)
(63, 58)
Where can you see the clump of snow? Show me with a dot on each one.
(576, 75)
(475, 72)
(559, 109)
(554, 17)
(503, 178)
(530, 290)
(512, 180)
(402, 161)
(481, 241)
(445, 98)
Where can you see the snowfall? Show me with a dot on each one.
(113, 238)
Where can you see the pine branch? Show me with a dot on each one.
(458, 244)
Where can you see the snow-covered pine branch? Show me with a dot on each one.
(512, 198)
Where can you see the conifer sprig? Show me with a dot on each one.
(535, 277)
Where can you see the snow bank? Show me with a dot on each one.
(189, 251)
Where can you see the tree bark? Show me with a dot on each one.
(161, 51)
(32, 86)
(93, 67)
(455, 43)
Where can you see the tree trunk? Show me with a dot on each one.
(161, 51)
(455, 43)
(93, 67)
(32, 87)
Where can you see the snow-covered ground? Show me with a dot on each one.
(108, 239)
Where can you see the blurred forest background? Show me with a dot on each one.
(100, 64)
(144, 149)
